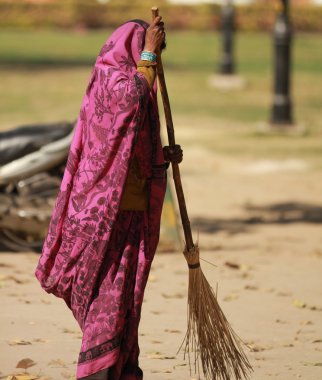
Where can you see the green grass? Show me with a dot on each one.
(186, 50)
(50, 48)
(43, 75)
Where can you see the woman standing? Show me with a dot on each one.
(105, 225)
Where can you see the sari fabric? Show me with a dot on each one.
(97, 257)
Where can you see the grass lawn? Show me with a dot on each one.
(43, 76)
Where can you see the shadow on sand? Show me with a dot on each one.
(279, 213)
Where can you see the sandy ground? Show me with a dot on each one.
(259, 222)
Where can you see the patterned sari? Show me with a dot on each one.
(96, 256)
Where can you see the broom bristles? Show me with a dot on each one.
(209, 335)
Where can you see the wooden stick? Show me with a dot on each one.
(170, 129)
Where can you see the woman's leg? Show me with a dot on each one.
(127, 365)
(111, 324)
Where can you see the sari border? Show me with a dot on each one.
(96, 352)
(105, 361)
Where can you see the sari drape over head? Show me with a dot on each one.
(97, 257)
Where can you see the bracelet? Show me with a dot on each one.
(148, 56)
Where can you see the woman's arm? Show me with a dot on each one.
(154, 38)
(148, 69)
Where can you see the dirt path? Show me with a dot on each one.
(259, 222)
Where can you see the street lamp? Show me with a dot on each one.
(282, 105)
(227, 65)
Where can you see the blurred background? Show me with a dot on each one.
(47, 48)
(245, 85)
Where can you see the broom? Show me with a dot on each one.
(209, 334)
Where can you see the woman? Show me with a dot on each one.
(105, 225)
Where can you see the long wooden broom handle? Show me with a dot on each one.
(175, 167)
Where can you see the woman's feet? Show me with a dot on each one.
(101, 375)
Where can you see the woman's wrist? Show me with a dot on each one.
(149, 48)
(148, 56)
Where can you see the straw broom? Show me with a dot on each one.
(209, 335)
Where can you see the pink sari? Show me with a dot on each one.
(96, 256)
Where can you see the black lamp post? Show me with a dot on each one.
(227, 65)
(282, 105)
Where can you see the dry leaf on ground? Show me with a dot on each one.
(67, 375)
(23, 377)
(313, 364)
(173, 331)
(162, 371)
(70, 331)
(57, 362)
(176, 295)
(251, 287)
(25, 363)
(232, 265)
(41, 340)
(306, 323)
(4, 265)
(258, 348)
(300, 304)
(159, 355)
(315, 308)
(19, 342)
(16, 280)
(46, 301)
(230, 297)
(180, 365)
(280, 321)
(284, 294)
(288, 345)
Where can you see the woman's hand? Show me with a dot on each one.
(155, 35)
(173, 154)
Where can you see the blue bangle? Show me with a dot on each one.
(148, 56)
